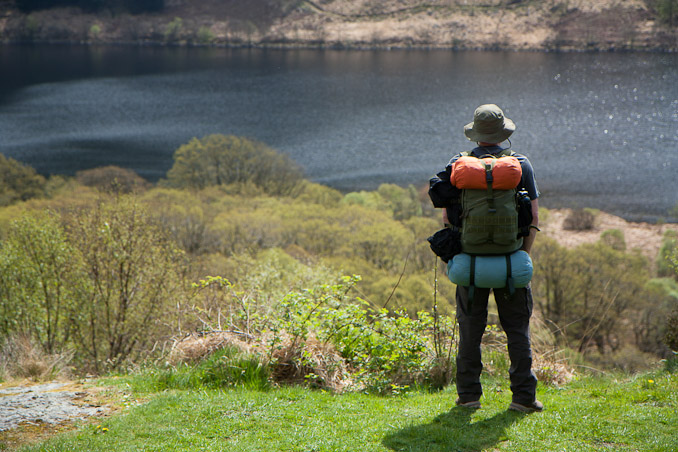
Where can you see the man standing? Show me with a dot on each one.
(489, 129)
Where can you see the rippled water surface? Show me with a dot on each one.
(600, 129)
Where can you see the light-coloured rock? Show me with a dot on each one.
(47, 403)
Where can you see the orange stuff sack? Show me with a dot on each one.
(470, 172)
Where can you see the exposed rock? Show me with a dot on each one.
(49, 403)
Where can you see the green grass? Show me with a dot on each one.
(593, 414)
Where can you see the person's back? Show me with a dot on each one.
(489, 129)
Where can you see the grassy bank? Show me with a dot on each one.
(593, 413)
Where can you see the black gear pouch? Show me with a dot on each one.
(446, 243)
(524, 213)
(441, 191)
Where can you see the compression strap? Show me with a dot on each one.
(509, 275)
(472, 282)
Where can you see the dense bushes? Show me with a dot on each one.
(96, 281)
(671, 335)
(667, 11)
(103, 277)
(41, 281)
(223, 160)
(18, 182)
(667, 261)
(133, 6)
(111, 277)
(580, 220)
(316, 334)
(597, 298)
(133, 281)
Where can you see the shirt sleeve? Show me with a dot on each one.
(528, 180)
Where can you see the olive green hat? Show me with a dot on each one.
(489, 125)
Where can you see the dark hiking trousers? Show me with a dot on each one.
(514, 314)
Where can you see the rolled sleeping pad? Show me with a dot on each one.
(470, 172)
(490, 271)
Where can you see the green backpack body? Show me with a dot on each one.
(489, 218)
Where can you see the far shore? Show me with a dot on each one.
(336, 46)
(545, 26)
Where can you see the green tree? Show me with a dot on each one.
(584, 294)
(369, 199)
(173, 30)
(404, 202)
(41, 280)
(184, 216)
(18, 182)
(133, 6)
(666, 260)
(609, 284)
(553, 280)
(614, 238)
(422, 258)
(223, 160)
(313, 193)
(650, 325)
(667, 11)
(135, 281)
(671, 336)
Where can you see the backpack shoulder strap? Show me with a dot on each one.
(511, 153)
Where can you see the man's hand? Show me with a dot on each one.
(529, 240)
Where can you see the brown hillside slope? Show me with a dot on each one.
(645, 237)
(503, 24)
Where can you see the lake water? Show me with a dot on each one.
(601, 130)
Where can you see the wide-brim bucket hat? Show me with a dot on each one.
(489, 125)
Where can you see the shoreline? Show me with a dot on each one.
(334, 46)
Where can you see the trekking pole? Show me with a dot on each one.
(436, 325)
(388, 300)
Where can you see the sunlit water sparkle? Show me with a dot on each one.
(600, 129)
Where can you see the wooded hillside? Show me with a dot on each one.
(464, 24)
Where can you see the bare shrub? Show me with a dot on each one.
(627, 359)
(197, 346)
(549, 364)
(580, 220)
(550, 370)
(293, 361)
(309, 362)
(22, 357)
(441, 372)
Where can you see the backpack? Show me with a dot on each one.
(489, 202)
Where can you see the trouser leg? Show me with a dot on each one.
(471, 328)
(514, 314)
